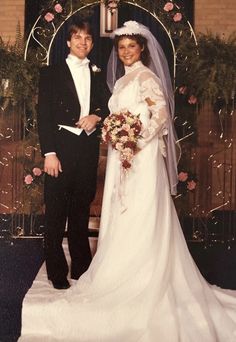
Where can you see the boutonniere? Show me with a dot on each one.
(95, 69)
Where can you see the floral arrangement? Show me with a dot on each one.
(55, 10)
(34, 177)
(95, 68)
(122, 131)
(33, 190)
(170, 8)
(187, 182)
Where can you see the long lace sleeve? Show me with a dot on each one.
(151, 93)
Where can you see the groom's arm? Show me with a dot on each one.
(45, 117)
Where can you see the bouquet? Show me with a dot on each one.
(122, 131)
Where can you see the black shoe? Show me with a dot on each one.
(61, 285)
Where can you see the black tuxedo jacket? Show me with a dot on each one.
(59, 104)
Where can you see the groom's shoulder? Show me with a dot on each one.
(52, 68)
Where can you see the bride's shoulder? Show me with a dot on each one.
(147, 75)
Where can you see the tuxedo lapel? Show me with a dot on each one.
(68, 79)
(92, 89)
(69, 83)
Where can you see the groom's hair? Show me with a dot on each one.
(141, 41)
(79, 24)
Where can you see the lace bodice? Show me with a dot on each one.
(139, 91)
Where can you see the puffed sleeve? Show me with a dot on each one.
(151, 92)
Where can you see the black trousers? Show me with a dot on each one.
(67, 200)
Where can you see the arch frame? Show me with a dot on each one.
(50, 21)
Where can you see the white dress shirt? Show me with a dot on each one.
(81, 77)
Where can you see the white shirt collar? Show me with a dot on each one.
(73, 60)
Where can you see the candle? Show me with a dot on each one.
(109, 20)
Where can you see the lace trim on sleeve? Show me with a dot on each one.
(151, 93)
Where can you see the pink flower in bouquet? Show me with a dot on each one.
(182, 176)
(37, 171)
(168, 7)
(191, 185)
(58, 8)
(124, 138)
(119, 146)
(28, 179)
(49, 16)
(177, 17)
(192, 99)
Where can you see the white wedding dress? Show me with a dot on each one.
(142, 285)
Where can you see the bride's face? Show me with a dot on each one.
(129, 51)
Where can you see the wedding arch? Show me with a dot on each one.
(168, 14)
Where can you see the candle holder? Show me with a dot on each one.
(108, 17)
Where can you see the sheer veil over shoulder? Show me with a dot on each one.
(142, 284)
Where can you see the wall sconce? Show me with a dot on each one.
(108, 17)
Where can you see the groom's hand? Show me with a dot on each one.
(52, 165)
(88, 122)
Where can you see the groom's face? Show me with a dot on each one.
(80, 44)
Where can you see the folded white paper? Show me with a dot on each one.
(75, 130)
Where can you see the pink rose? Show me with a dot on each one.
(28, 179)
(49, 17)
(168, 7)
(177, 17)
(182, 176)
(192, 99)
(191, 185)
(58, 8)
(182, 90)
(37, 171)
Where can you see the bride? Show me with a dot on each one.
(142, 284)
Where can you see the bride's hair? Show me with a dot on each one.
(141, 41)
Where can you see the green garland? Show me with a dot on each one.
(21, 76)
(210, 71)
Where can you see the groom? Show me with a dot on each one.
(72, 104)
